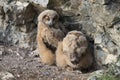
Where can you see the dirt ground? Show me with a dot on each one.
(26, 66)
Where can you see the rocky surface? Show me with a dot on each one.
(20, 64)
(98, 19)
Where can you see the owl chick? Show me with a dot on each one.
(50, 32)
(73, 51)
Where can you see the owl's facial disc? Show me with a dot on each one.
(49, 20)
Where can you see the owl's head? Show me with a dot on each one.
(75, 46)
(48, 17)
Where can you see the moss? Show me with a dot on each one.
(108, 77)
(111, 73)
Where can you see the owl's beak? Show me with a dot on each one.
(50, 24)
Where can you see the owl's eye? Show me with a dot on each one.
(47, 18)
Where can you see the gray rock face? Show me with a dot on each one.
(41, 2)
(106, 16)
(4, 75)
(18, 23)
(98, 19)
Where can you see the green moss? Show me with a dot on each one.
(108, 77)
(110, 74)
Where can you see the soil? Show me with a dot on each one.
(26, 66)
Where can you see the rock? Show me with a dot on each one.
(100, 56)
(1, 53)
(115, 33)
(34, 53)
(94, 75)
(101, 1)
(111, 59)
(4, 75)
(43, 3)
(103, 57)
(92, 78)
(1, 37)
(19, 23)
(98, 39)
(118, 63)
(105, 14)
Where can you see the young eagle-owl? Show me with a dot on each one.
(50, 32)
(73, 51)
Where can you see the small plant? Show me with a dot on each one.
(110, 74)
(108, 77)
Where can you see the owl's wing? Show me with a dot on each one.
(59, 34)
(62, 28)
(49, 40)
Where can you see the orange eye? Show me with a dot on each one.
(47, 18)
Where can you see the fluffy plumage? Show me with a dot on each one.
(73, 51)
(50, 32)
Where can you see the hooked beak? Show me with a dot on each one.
(51, 24)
